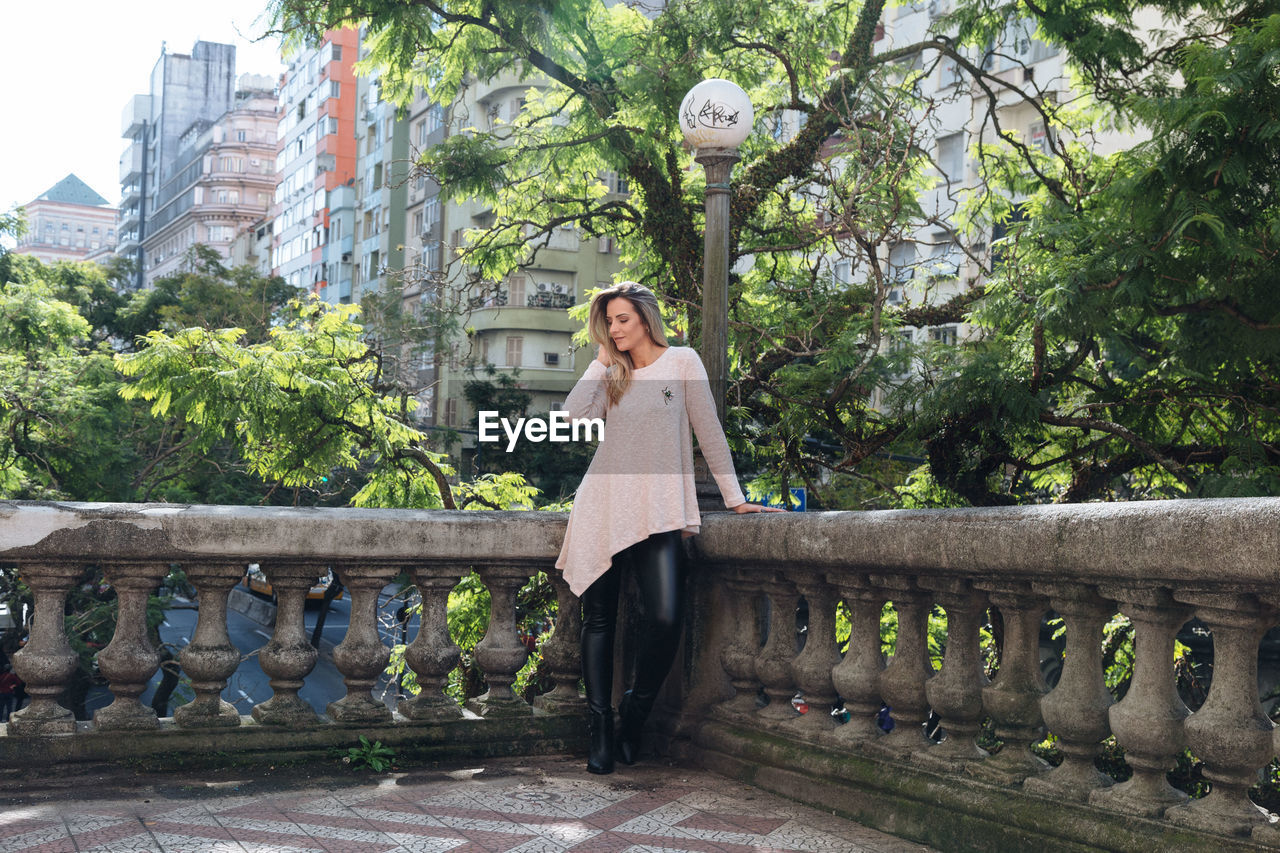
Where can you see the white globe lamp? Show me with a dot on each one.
(716, 114)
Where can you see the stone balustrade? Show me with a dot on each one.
(50, 545)
(1160, 564)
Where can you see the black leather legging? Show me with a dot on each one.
(658, 569)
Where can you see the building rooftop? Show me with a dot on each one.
(72, 190)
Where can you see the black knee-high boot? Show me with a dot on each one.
(659, 574)
(599, 619)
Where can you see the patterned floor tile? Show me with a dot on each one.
(554, 808)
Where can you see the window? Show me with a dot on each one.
(840, 271)
(241, 136)
(335, 89)
(901, 258)
(517, 294)
(451, 411)
(945, 257)
(431, 213)
(945, 335)
(417, 222)
(515, 350)
(1038, 137)
(950, 157)
(951, 73)
(337, 52)
(900, 341)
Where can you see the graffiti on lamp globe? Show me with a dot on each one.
(716, 113)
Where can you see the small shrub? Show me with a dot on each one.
(373, 756)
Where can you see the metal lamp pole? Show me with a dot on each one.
(716, 116)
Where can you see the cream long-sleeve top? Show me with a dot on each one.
(640, 481)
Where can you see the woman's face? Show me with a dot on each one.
(625, 326)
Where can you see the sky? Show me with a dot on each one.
(70, 66)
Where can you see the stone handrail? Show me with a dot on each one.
(1158, 563)
(50, 545)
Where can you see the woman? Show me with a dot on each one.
(636, 501)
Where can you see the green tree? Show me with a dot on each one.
(555, 469)
(204, 294)
(1104, 357)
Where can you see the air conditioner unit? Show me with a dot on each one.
(543, 287)
(346, 257)
(551, 358)
(560, 288)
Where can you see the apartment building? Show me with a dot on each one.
(312, 216)
(425, 251)
(519, 325)
(381, 192)
(220, 182)
(183, 89)
(68, 222)
(935, 262)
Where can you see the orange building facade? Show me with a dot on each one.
(313, 209)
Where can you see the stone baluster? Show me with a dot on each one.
(1075, 711)
(210, 658)
(432, 655)
(47, 661)
(500, 653)
(1148, 721)
(773, 665)
(857, 677)
(811, 669)
(1230, 733)
(955, 693)
(563, 653)
(1013, 698)
(741, 651)
(362, 657)
(289, 656)
(902, 684)
(130, 659)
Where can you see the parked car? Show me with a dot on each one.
(256, 582)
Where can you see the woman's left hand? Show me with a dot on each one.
(745, 508)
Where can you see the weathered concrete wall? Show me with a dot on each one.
(1158, 563)
(176, 533)
(1187, 541)
(951, 812)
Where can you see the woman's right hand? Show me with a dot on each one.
(602, 356)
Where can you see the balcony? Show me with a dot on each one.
(559, 301)
(494, 311)
(136, 113)
(729, 709)
(131, 163)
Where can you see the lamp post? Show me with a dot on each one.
(715, 117)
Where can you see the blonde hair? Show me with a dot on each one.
(618, 377)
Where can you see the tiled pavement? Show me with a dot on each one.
(515, 807)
